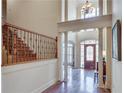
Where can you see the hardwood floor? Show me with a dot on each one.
(79, 81)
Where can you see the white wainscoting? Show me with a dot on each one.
(29, 78)
(116, 76)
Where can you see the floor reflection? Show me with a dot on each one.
(79, 81)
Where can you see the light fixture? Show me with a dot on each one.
(87, 7)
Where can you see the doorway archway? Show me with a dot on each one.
(88, 54)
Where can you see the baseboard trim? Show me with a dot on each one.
(44, 87)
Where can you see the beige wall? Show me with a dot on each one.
(116, 66)
(37, 15)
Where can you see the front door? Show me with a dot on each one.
(89, 56)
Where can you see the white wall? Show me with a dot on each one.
(37, 15)
(116, 10)
(116, 76)
(83, 35)
(92, 35)
(72, 4)
(116, 66)
(29, 78)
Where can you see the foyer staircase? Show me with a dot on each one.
(22, 46)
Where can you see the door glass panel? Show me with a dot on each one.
(89, 53)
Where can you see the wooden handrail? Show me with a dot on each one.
(20, 28)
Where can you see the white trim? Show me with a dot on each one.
(44, 87)
(79, 24)
(19, 67)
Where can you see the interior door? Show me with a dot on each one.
(89, 56)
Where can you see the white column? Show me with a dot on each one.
(63, 67)
(77, 51)
(100, 58)
(65, 57)
(109, 49)
(100, 7)
(108, 57)
(60, 64)
(100, 46)
(109, 6)
(66, 10)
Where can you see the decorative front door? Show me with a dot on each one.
(89, 56)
